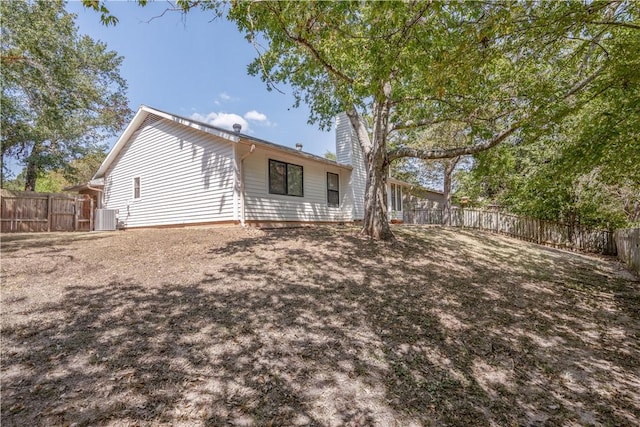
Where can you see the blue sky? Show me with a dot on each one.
(195, 67)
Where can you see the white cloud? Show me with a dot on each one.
(256, 116)
(222, 120)
(227, 120)
(222, 98)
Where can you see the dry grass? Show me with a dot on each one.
(227, 326)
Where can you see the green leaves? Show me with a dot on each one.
(61, 92)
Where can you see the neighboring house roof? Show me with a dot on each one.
(232, 136)
(399, 182)
(415, 187)
(421, 189)
(94, 184)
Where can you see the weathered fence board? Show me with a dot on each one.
(524, 228)
(628, 244)
(26, 211)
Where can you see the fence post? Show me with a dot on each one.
(91, 214)
(75, 214)
(49, 213)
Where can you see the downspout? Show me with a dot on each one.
(242, 198)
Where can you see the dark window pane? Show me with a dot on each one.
(393, 197)
(277, 177)
(332, 181)
(294, 180)
(333, 198)
(333, 189)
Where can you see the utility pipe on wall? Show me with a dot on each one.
(242, 198)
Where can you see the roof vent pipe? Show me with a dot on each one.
(237, 127)
(299, 146)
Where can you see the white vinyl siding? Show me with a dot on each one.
(260, 205)
(186, 176)
(348, 152)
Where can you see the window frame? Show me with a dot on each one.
(137, 188)
(287, 166)
(396, 197)
(392, 189)
(330, 191)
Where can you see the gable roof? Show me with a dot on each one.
(144, 111)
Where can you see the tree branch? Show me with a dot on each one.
(414, 124)
(314, 52)
(441, 153)
(318, 57)
(363, 136)
(617, 24)
(256, 46)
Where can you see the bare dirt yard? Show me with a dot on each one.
(316, 326)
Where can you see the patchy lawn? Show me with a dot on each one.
(219, 326)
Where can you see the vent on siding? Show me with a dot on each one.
(105, 219)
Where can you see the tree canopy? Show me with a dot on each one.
(62, 93)
(585, 167)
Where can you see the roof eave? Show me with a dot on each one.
(245, 139)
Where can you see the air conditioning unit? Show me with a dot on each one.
(105, 219)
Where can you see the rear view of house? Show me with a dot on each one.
(167, 170)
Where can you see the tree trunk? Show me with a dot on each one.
(31, 176)
(32, 170)
(2, 169)
(376, 221)
(374, 149)
(449, 167)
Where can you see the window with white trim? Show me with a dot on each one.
(136, 187)
(285, 179)
(396, 197)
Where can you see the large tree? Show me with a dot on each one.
(401, 67)
(62, 93)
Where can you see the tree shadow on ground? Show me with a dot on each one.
(13, 242)
(323, 327)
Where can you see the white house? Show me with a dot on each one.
(167, 170)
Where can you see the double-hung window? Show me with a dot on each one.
(136, 187)
(333, 189)
(285, 178)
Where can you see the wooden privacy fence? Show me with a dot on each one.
(26, 211)
(530, 229)
(628, 245)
